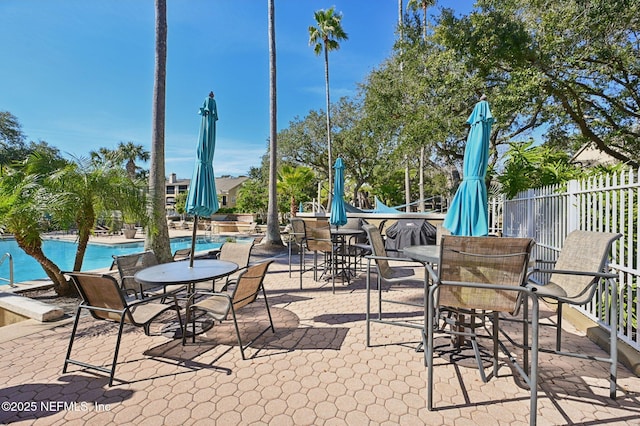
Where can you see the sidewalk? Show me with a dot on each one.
(316, 369)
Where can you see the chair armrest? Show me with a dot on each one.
(194, 296)
(400, 259)
(607, 275)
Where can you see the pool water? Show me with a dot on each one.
(97, 256)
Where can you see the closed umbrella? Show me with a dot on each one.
(468, 214)
(202, 199)
(338, 216)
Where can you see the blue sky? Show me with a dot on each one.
(79, 73)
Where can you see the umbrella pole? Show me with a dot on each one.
(193, 240)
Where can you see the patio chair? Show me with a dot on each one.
(318, 241)
(239, 294)
(182, 254)
(580, 270)
(297, 236)
(129, 264)
(238, 253)
(479, 278)
(390, 275)
(102, 297)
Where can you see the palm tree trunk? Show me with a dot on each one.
(273, 224)
(157, 236)
(326, 79)
(421, 205)
(60, 284)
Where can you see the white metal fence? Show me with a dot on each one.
(606, 204)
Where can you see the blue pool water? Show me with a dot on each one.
(97, 256)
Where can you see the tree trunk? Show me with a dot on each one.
(421, 204)
(326, 80)
(157, 236)
(273, 224)
(61, 286)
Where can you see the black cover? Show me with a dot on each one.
(409, 232)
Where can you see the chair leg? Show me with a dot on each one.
(115, 355)
(235, 323)
(266, 303)
(496, 328)
(613, 344)
(368, 312)
(559, 329)
(290, 242)
(73, 335)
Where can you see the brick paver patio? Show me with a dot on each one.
(315, 370)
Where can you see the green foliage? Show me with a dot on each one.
(46, 190)
(253, 197)
(328, 32)
(528, 166)
(296, 184)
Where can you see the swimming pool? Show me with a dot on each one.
(97, 256)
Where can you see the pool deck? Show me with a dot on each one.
(315, 370)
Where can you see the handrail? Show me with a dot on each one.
(10, 280)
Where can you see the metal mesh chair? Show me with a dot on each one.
(479, 278)
(239, 294)
(580, 270)
(318, 240)
(129, 264)
(297, 237)
(102, 297)
(387, 274)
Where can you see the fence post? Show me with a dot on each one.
(531, 214)
(573, 209)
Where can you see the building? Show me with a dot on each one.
(227, 188)
(590, 156)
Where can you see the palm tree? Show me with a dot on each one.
(325, 37)
(65, 194)
(292, 182)
(131, 152)
(157, 236)
(273, 225)
(414, 5)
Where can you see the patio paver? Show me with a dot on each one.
(316, 369)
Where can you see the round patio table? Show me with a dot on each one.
(181, 273)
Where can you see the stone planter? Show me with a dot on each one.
(129, 232)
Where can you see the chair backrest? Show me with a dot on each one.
(488, 260)
(129, 264)
(182, 254)
(377, 249)
(299, 229)
(238, 253)
(100, 292)
(249, 284)
(583, 251)
(319, 239)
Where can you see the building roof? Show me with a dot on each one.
(223, 184)
(228, 183)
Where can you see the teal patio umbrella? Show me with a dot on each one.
(468, 214)
(202, 199)
(338, 216)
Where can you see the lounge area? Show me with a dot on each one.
(315, 369)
